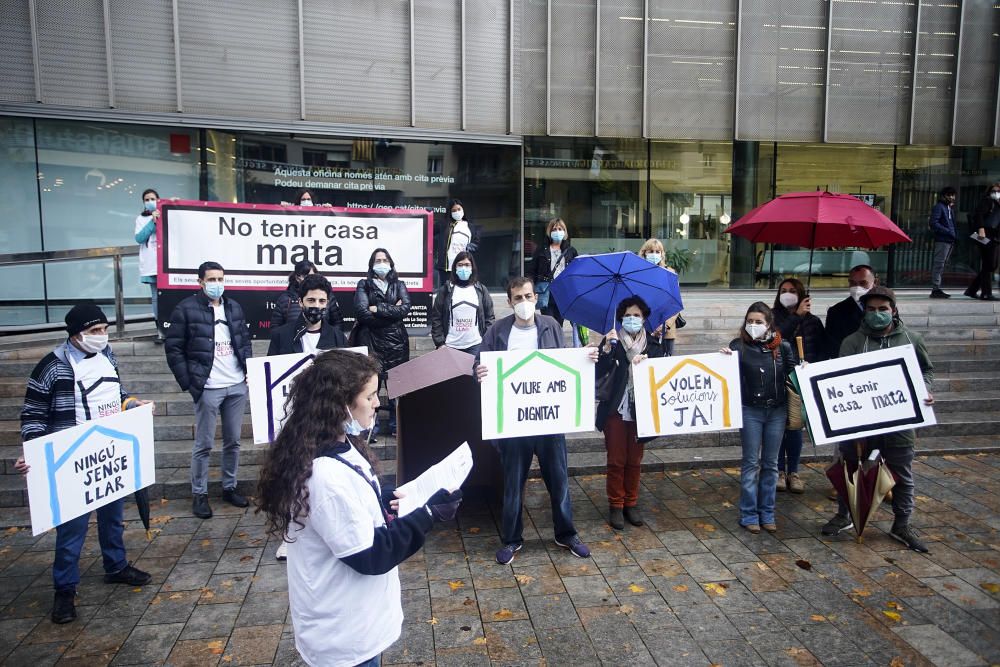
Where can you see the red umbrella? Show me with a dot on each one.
(818, 220)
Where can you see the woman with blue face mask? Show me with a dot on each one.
(653, 252)
(548, 261)
(145, 236)
(463, 308)
(619, 352)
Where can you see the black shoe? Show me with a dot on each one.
(616, 518)
(63, 608)
(990, 298)
(128, 575)
(233, 497)
(938, 294)
(971, 295)
(836, 525)
(632, 516)
(200, 508)
(906, 535)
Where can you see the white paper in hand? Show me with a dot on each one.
(448, 474)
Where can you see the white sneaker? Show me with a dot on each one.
(282, 552)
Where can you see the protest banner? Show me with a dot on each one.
(864, 395)
(259, 244)
(537, 392)
(690, 394)
(80, 469)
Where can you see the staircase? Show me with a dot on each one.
(962, 335)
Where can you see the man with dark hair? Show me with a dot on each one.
(942, 224)
(844, 317)
(528, 330)
(207, 347)
(76, 382)
(311, 331)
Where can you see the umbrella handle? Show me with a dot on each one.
(798, 344)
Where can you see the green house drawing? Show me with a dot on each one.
(502, 376)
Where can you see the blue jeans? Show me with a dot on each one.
(790, 452)
(761, 434)
(515, 457)
(374, 662)
(69, 543)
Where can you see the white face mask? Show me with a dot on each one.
(756, 330)
(525, 309)
(995, 196)
(857, 292)
(306, 202)
(457, 215)
(788, 299)
(93, 343)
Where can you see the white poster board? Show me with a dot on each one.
(537, 392)
(78, 470)
(688, 394)
(864, 395)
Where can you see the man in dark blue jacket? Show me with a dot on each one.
(943, 227)
(207, 349)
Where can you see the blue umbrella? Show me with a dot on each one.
(589, 290)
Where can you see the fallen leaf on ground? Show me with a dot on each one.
(455, 585)
(804, 564)
(626, 609)
(681, 588)
(433, 621)
(707, 527)
(479, 640)
(635, 588)
(524, 579)
(726, 504)
(990, 586)
(861, 592)
(216, 647)
(951, 587)
(12, 530)
(892, 604)
(718, 589)
(206, 543)
(893, 615)
(244, 559)
(175, 596)
(503, 613)
(468, 602)
(207, 594)
(897, 662)
(819, 618)
(474, 530)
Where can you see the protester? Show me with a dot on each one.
(207, 347)
(64, 390)
(765, 361)
(460, 235)
(844, 317)
(318, 486)
(942, 224)
(986, 220)
(548, 261)
(527, 330)
(619, 350)
(304, 198)
(145, 236)
(653, 252)
(463, 308)
(793, 319)
(286, 306)
(381, 303)
(311, 331)
(882, 329)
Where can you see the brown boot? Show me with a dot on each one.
(795, 484)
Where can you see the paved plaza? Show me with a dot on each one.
(690, 588)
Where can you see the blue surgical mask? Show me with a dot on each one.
(150, 205)
(352, 427)
(654, 258)
(214, 290)
(463, 272)
(632, 323)
(381, 270)
(558, 235)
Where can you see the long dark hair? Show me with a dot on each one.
(304, 191)
(389, 277)
(800, 291)
(302, 268)
(143, 200)
(317, 409)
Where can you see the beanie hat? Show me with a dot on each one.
(880, 292)
(83, 316)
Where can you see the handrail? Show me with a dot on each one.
(114, 252)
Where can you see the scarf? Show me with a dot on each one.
(634, 345)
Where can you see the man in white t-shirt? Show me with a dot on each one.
(207, 347)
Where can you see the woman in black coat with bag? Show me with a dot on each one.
(381, 303)
(986, 220)
(548, 261)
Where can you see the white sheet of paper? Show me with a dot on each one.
(975, 237)
(449, 474)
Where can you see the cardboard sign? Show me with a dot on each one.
(690, 394)
(537, 392)
(864, 395)
(88, 466)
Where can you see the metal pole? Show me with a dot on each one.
(826, 87)
(645, 67)
(913, 77)
(108, 54)
(302, 64)
(177, 55)
(33, 22)
(119, 298)
(597, 73)
(413, 71)
(548, 67)
(958, 72)
(463, 63)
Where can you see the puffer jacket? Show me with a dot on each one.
(441, 311)
(190, 344)
(810, 327)
(382, 331)
(763, 374)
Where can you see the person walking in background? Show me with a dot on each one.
(654, 253)
(548, 261)
(145, 236)
(942, 224)
(463, 308)
(986, 220)
(793, 319)
(765, 362)
(207, 349)
(844, 317)
(619, 350)
(381, 303)
(460, 235)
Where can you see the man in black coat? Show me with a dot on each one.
(311, 331)
(844, 318)
(207, 347)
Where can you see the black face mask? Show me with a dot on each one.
(314, 314)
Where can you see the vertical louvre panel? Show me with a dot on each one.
(71, 54)
(691, 78)
(621, 68)
(142, 42)
(977, 75)
(17, 76)
(358, 61)
(238, 60)
(438, 47)
(935, 81)
(782, 70)
(486, 59)
(574, 30)
(532, 66)
(871, 55)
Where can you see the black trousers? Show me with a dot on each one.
(989, 255)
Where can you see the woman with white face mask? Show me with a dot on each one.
(765, 361)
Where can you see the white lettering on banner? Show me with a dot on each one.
(80, 469)
(687, 394)
(864, 395)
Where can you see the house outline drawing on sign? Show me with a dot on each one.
(655, 385)
(502, 376)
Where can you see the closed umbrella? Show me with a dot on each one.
(142, 504)
(862, 485)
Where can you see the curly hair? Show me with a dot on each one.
(317, 409)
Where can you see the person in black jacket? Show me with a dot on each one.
(986, 219)
(207, 349)
(942, 224)
(311, 332)
(765, 361)
(793, 319)
(616, 409)
(844, 317)
(548, 261)
(463, 308)
(286, 307)
(381, 303)
(458, 234)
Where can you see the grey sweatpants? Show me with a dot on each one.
(231, 402)
(942, 251)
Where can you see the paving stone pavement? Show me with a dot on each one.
(689, 588)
